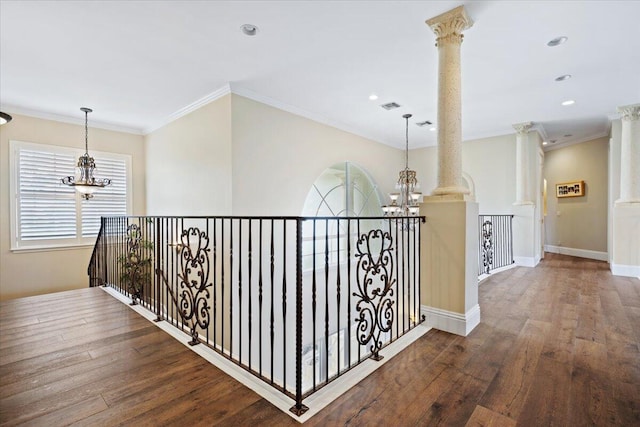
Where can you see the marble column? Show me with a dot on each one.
(448, 28)
(523, 196)
(630, 154)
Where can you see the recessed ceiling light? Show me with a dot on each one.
(249, 29)
(544, 142)
(557, 41)
(568, 102)
(563, 77)
(373, 97)
(432, 129)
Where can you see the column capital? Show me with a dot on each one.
(523, 128)
(630, 112)
(449, 26)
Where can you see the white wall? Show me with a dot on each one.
(38, 272)
(189, 163)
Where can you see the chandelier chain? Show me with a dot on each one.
(86, 132)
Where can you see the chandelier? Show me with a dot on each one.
(405, 201)
(83, 181)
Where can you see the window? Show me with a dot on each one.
(344, 189)
(44, 212)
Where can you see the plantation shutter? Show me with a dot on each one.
(111, 200)
(46, 213)
(47, 208)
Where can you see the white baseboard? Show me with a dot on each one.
(625, 270)
(484, 276)
(582, 253)
(525, 261)
(449, 321)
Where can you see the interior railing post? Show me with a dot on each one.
(103, 241)
(157, 268)
(299, 408)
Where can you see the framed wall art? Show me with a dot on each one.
(570, 189)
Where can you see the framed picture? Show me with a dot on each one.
(570, 189)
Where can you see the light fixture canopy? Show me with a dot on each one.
(406, 201)
(84, 181)
(4, 118)
(557, 41)
(249, 29)
(568, 102)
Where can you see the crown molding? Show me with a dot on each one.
(539, 127)
(213, 96)
(577, 141)
(247, 93)
(69, 119)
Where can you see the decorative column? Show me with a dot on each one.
(625, 250)
(448, 28)
(630, 154)
(449, 259)
(523, 196)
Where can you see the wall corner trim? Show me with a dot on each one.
(452, 322)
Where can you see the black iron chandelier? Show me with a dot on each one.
(84, 181)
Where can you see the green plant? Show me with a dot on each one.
(136, 263)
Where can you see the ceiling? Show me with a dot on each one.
(139, 64)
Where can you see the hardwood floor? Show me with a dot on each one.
(557, 345)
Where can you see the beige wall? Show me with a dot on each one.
(38, 272)
(278, 155)
(489, 161)
(578, 222)
(189, 163)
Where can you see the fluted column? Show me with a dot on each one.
(523, 196)
(448, 28)
(630, 154)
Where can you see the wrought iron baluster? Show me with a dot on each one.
(375, 289)
(349, 293)
(314, 285)
(284, 304)
(250, 254)
(272, 318)
(231, 287)
(215, 283)
(298, 408)
(487, 245)
(260, 300)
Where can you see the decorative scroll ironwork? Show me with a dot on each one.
(487, 246)
(194, 280)
(135, 263)
(375, 288)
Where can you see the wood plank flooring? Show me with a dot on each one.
(557, 345)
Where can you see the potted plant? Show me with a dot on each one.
(136, 263)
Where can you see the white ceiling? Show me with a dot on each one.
(139, 63)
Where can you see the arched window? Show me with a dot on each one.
(344, 189)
